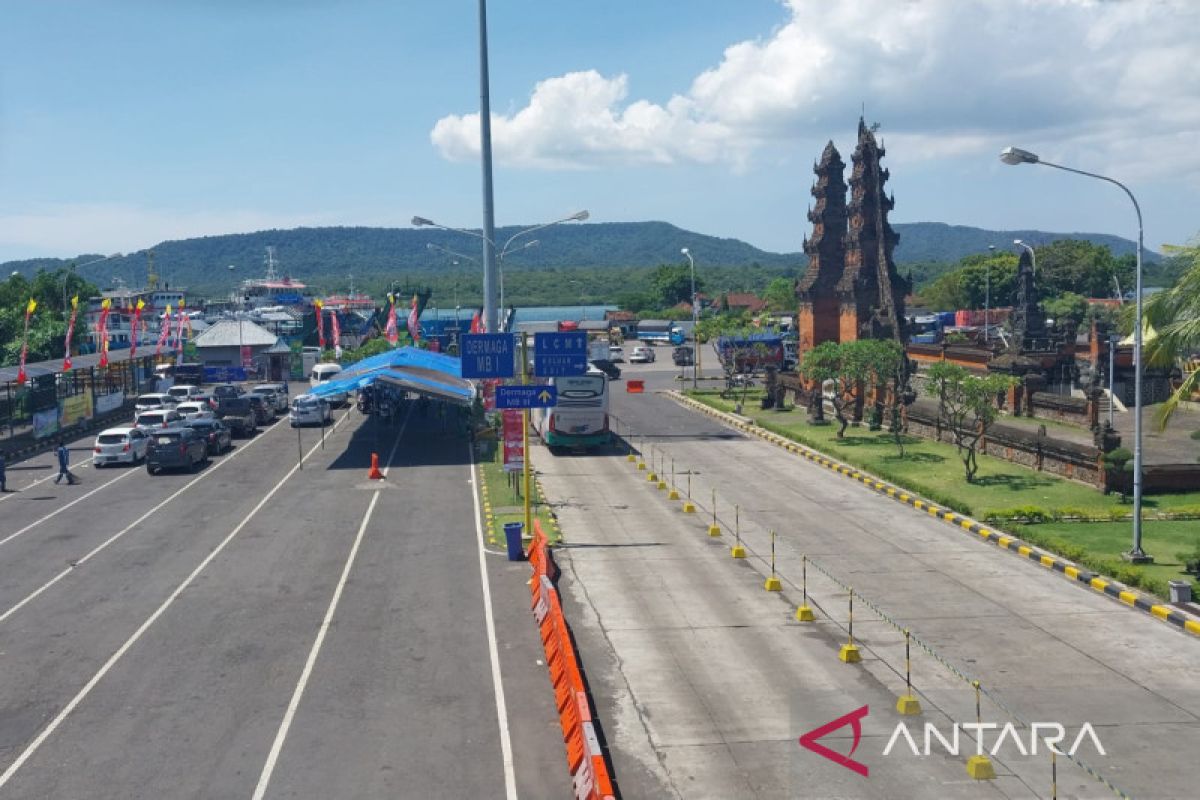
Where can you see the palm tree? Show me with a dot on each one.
(1174, 314)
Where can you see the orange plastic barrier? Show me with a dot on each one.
(589, 771)
(375, 474)
(635, 387)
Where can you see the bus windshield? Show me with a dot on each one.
(580, 387)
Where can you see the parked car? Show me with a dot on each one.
(238, 414)
(269, 397)
(176, 448)
(282, 401)
(264, 414)
(323, 373)
(641, 355)
(616, 355)
(608, 368)
(151, 420)
(155, 401)
(223, 390)
(215, 432)
(308, 409)
(183, 392)
(683, 356)
(194, 409)
(207, 399)
(119, 446)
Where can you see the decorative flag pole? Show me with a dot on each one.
(133, 328)
(102, 331)
(30, 307)
(70, 334)
(392, 331)
(337, 335)
(414, 327)
(320, 307)
(164, 332)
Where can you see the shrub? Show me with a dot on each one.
(1196, 435)
(1191, 558)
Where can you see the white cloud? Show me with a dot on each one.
(1102, 83)
(67, 230)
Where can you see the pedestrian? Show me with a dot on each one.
(64, 461)
(3, 479)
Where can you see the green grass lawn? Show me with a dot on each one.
(502, 495)
(935, 471)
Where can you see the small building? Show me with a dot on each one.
(234, 342)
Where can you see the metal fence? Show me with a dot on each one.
(41, 394)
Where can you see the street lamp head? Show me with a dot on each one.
(419, 221)
(1018, 243)
(579, 216)
(530, 243)
(1015, 155)
(683, 250)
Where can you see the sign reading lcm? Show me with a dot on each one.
(557, 355)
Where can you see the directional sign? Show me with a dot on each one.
(557, 355)
(487, 355)
(526, 396)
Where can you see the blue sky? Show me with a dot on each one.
(126, 123)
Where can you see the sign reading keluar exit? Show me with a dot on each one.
(526, 396)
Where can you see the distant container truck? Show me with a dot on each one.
(660, 331)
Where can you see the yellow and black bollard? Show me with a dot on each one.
(642, 454)
(849, 652)
(908, 704)
(714, 529)
(629, 444)
(980, 766)
(674, 493)
(773, 583)
(804, 613)
(737, 551)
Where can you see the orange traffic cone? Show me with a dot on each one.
(375, 474)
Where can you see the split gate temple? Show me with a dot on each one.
(851, 289)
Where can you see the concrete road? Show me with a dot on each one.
(261, 630)
(705, 681)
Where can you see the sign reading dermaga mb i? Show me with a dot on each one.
(487, 355)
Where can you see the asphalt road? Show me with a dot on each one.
(262, 630)
(704, 681)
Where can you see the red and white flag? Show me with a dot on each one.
(165, 332)
(179, 335)
(70, 334)
(29, 309)
(477, 323)
(102, 331)
(133, 328)
(414, 326)
(320, 323)
(337, 334)
(392, 330)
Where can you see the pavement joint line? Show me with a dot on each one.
(133, 639)
(1069, 570)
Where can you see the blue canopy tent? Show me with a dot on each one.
(409, 368)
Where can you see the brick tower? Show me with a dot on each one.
(870, 292)
(817, 321)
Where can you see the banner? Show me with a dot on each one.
(337, 335)
(414, 326)
(29, 309)
(320, 324)
(102, 331)
(179, 334)
(133, 327)
(70, 333)
(45, 423)
(476, 323)
(165, 332)
(514, 453)
(392, 331)
(489, 394)
(109, 402)
(76, 409)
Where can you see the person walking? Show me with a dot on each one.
(3, 479)
(64, 461)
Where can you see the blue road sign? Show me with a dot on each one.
(556, 355)
(487, 355)
(526, 396)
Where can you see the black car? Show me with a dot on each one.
(175, 448)
(238, 414)
(264, 412)
(608, 368)
(684, 356)
(215, 432)
(223, 390)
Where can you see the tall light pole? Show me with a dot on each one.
(485, 149)
(71, 270)
(1136, 555)
(486, 236)
(987, 296)
(695, 320)
(241, 346)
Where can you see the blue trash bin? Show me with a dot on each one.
(512, 536)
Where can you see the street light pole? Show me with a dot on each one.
(1136, 555)
(695, 320)
(485, 148)
(987, 296)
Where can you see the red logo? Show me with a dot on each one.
(809, 741)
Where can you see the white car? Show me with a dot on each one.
(281, 395)
(641, 355)
(194, 409)
(120, 446)
(616, 354)
(155, 401)
(309, 409)
(163, 418)
(184, 392)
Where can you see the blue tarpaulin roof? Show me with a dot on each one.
(410, 368)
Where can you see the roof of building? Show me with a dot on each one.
(620, 316)
(232, 333)
(745, 300)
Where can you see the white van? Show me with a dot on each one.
(322, 373)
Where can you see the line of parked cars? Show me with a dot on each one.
(185, 426)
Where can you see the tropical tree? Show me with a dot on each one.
(672, 284)
(780, 294)
(967, 406)
(1174, 314)
(820, 364)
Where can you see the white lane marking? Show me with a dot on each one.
(15, 492)
(104, 545)
(264, 778)
(510, 776)
(64, 507)
(41, 738)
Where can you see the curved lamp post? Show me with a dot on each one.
(1136, 555)
(419, 222)
(695, 319)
